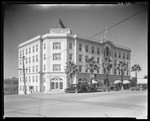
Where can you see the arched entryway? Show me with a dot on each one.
(56, 83)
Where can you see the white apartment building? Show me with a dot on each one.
(47, 55)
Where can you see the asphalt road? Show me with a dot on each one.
(132, 104)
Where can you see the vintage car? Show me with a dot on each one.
(73, 88)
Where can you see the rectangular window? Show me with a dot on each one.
(80, 68)
(98, 50)
(44, 57)
(86, 57)
(92, 49)
(29, 50)
(80, 58)
(26, 51)
(115, 54)
(119, 54)
(114, 71)
(56, 56)
(86, 48)
(70, 57)
(29, 78)
(32, 68)
(36, 48)
(36, 58)
(52, 85)
(56, 67)
(33, 78)
(61, 85)
(36, 68)
(80, 47)
(57, 45)
(26, 60)
(33, 49)
(128, 56)
(70, 45)
(115, 62)
(20, 53)
(44, 45)
(98, 60)
(33, 58)
(123, 55)
(29, 59)
(36, 78)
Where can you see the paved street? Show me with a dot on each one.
(98, 104)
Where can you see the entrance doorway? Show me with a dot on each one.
(56, 84)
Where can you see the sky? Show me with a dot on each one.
(26, 21)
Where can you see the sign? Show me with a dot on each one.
(60, 31)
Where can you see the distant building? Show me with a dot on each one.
(11, 86)
(47, 55)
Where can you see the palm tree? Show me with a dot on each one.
(136, 68)
(107, 65)
(122, 66)
(91, 65)
(71, 69)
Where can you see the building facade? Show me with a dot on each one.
(47, 55)
(11, 86)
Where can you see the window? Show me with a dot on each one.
(119, 54)
(61, 85)
(36, 48)
(36, 68)
(29, 59)
(128, 56)
(44, 67)
(115, 62)
(33, 58)
(70, 45)
(29, 78)
(57, 45)
(36, 78)
(36, 58)
(33, 78)
(114, 71)
(56, 67)
(86, 48)
(56, 56)
(86, 70)
(70, 56)
(23, 52)
(123, 55)
(98, 50)
(29, 50)
(33, 49)
(86, 57)
(80, 58)
(32, 68)
(80, 68)
(29, 69)
(80, 47)
(26, 70)
(26, 51)
(92, 49)
(104, 70)
(98, 60)
(44, 45)
(43, 88)
(44, 57)
(107, 51)
(115, 54)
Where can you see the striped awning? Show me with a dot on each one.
(126, 82)
(117, 81)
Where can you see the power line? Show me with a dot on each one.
(116, 24)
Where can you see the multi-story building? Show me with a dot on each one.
(11, 86)
(47, 55)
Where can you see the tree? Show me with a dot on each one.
(122, 66)
(107, 65)
(91, 65)
(136, 68)
(71, 69)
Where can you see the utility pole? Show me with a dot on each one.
(23, 57)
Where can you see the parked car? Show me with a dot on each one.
(73, 88)
(136, 88)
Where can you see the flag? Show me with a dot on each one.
(61, 24)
